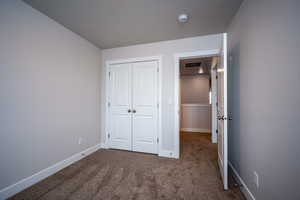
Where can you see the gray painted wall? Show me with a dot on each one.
(49, 92)
(264, 42)
(194, 89)
(167, 49)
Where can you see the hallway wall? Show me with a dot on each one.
(264, 96)
(194, 89)
(195, 107)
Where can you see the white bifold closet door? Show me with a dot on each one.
(133, 111)
(120, 99)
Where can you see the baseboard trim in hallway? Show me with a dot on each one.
(197, 130)
(35, 178)
(245, 190)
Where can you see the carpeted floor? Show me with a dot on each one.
(113, 174)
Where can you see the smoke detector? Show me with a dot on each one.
(183, 18)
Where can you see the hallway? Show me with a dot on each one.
(112, 174)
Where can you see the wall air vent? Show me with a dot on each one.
(192, 65)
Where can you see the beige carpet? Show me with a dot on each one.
(113, 174)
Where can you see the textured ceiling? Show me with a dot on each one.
(114, 23)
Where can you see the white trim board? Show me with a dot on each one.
(214, 112)
(177, 57)
(198, 130)
(103, 145)
(195, 105)
(245, 190)
(132, 60)
(166, 154)
(157, 58)
(37, 177)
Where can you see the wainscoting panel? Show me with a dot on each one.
(195, 117)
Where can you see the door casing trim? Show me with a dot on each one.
(177, 58)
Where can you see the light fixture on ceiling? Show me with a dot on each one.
(200, 71)
(183, 18)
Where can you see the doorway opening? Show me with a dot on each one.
(219, 114)
(197, 100)
(196, 69)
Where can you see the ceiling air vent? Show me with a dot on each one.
(192, 65)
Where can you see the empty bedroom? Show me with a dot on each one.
(149, 99)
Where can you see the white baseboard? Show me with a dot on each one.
(200, 130)
(244, 189)
(103, 145)
(167, 154)
(31, 180)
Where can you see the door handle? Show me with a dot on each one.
(134, 111)
(224, 118)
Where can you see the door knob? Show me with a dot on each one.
(129, 111)
(134, 111)
(224, 118)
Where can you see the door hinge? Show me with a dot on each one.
(216, 77)
(157, 70)
(217, 131)
(108, 135)
(157, 105)
(108, 104)
(109, 75)
(157, 140)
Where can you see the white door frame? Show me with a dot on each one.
(133, 60)
(177, 58)
(214, 112)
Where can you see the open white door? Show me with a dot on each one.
(222, 113)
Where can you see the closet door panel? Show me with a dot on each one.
(120, 98)
(144, 105)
